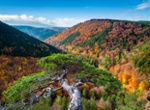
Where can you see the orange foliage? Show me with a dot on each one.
(130, 79)
(120, 34)
(122, 37)
(12, 68)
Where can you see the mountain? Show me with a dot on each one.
(115, 44)
(103, 34)
(40, 33)
(121, 47)
(16, 43)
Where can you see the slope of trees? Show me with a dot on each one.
(16, 43)
(110, 35)
(13, 68)
(142, 58)
(70, 38)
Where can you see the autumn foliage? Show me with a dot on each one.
(97, 37)
(111, 43)
(13, 68)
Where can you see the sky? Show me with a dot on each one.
(66, 13)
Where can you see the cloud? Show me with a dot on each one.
(143, 5)
(38, 21)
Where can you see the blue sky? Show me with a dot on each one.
(70, 12)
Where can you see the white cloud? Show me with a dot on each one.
(143, 5)
(38, 21)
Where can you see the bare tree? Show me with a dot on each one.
(74, 93)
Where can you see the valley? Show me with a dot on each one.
(41, 33)
(110, 57)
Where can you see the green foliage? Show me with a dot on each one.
(143, 23)
(88, 104)
(70, 38)
(105, 62)
(22, 87)
(108, 61)
(15, 107)
(44, 104)
(85, 93)
(62, 101)
(126, 101)
(93, 104)
(94, 95)
(142, 58)
(79, 75)
(58, 62)
(78, 67)
(99, 38)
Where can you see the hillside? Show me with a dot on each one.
(112, 43)
(99, 89)
(16, 43)
(40, 33)
(103, 34)
(13, 68)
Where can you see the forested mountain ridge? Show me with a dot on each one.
(16, 43)
(114, 43)
(127, 58)
(40, 33)
(104, 34)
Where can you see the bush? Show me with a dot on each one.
(58, 62)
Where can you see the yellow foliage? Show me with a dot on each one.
(143, 85)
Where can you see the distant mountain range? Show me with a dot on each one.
(16, 43)
(39, 32)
